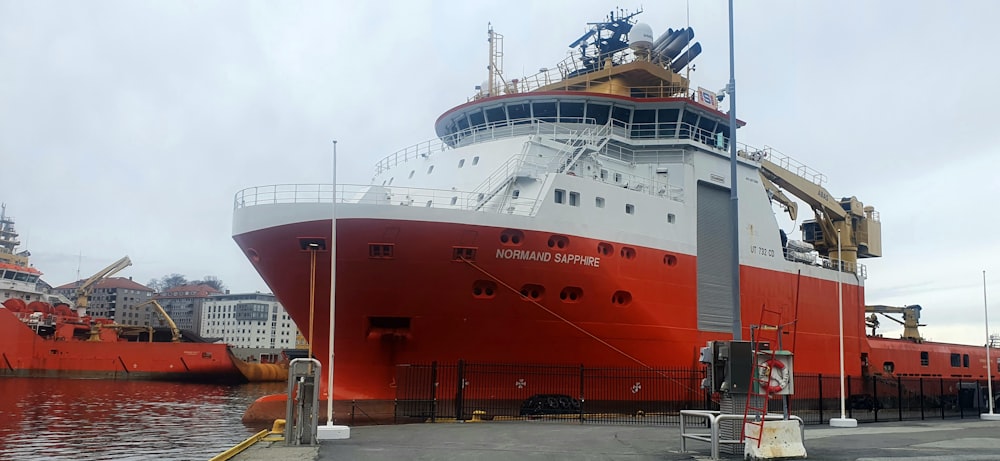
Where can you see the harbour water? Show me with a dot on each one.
(82, 419)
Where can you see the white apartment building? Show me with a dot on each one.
(248, 320)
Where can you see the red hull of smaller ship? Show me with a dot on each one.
(25, 353)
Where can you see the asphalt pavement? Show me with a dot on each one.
(960, 440)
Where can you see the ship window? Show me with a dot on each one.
(688, 123)
(462, 124)
(643, 124)
(605, 249)
(560, 196)
(618, 178)
(411, 173)
(571, 112)
(956, 360)
(667, 127)
(475, 160)
(670, 260)
(621, 115)
(965, 360)
(599, 202)
(454, 200)
(391, 180)
(430, 169)
(381, 250)
(889, 367)
(496, 115)
(604, 174)
(924, 359)
(545, 111)
(516, 193)
(476, 119)
(671, 218)
(629, 208)
(460, 253)
(574, 199)
(519, 112)
(461, 163)
(599, 113)
(706, 130)
(628, 252)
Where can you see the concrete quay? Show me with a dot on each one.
(960, 440)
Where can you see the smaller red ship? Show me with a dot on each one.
(42, 335)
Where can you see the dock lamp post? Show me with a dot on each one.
(843, 420)
(331, 431)
(989, 364)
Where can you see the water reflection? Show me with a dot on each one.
(102, 419)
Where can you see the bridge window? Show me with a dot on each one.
(496, 115)
(560, 196)
(545, 111)
(519, 112)
(956, 360)
(598, 112)
(571, 112)
(924, 359)
(622, 115)
(477, 119)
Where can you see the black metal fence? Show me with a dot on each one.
(487, 391)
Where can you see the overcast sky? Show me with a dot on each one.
(127, 127)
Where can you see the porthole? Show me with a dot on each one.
(628, 252)
(571, 294)
(605, 249)
(621, 298)
(532, 292)
(558, 241)
(670, 260)
(484, 289)
(511, 237)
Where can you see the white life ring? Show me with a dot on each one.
(777, 376)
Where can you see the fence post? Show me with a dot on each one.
(899, 396)
(581, 393)
(958, 398)
(921, 399)
(820, 398)
(434, 391)
(941, 397)
(460, 384)
(875, 403)
(850, 411)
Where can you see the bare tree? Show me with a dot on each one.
(171, 281)
(211, 281)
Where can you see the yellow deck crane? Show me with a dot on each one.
(175, 333)
(83, 291)
(910, 322)
(859, 226)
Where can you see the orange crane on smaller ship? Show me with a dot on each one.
(83, 291)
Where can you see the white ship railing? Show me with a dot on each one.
(365, 195)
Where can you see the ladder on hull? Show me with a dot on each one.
(761, 389)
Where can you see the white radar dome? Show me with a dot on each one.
(641, 36)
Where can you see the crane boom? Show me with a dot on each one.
(83, 291)
(910, 322)
(175, 333)
(858, 226)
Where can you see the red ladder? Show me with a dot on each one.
(768, 330)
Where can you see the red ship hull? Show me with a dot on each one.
(25, 353)
(421, 304)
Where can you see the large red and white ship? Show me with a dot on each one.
(577, 216)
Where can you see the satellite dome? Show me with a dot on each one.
(641, 36)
